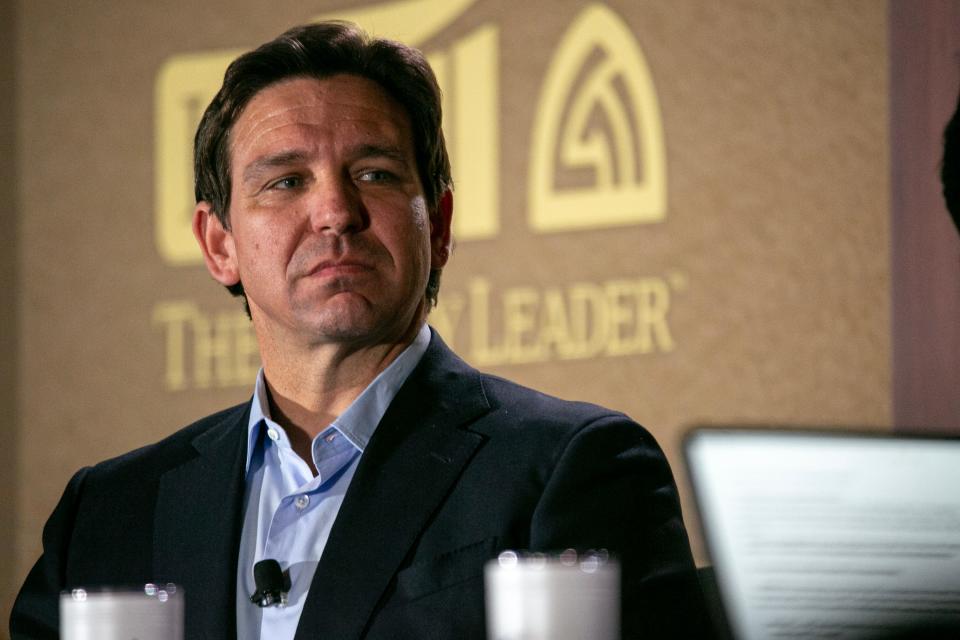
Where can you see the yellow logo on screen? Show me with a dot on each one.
(597, 156)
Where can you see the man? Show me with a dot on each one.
(376, 467)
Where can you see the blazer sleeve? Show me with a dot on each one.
(36, 611)
(612, 489)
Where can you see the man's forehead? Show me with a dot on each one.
(340, 101)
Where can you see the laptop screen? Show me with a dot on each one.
(831, 534)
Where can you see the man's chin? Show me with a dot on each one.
(358, 323)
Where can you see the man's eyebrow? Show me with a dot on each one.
(255, 169)
(379, 151)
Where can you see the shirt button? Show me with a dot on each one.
(273, 434)
(302, 502)
(331, 437)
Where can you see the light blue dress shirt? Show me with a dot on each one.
(288, 512)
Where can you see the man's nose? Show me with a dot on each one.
(336, 207)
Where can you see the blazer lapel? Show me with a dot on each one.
(408, 468)
(197, 525)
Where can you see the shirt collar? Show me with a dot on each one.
(361, 418)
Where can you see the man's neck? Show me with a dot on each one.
(309, 389)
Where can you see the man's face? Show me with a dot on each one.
(330, 233)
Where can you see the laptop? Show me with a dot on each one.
(830, 534)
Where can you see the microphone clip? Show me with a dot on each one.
(271, 582)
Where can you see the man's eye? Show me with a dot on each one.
(288, 182)
(376, 175)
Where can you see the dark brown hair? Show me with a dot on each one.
(320, 51)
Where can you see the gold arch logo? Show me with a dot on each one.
(598, 157)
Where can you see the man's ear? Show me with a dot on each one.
(216, 243)
(440, 231)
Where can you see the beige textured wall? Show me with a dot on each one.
(774, 246)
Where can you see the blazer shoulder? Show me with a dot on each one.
(508, 396)
(511, 410)
(522, 414)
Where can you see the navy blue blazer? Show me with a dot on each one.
(462, 465)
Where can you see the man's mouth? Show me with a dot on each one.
(338, 268)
